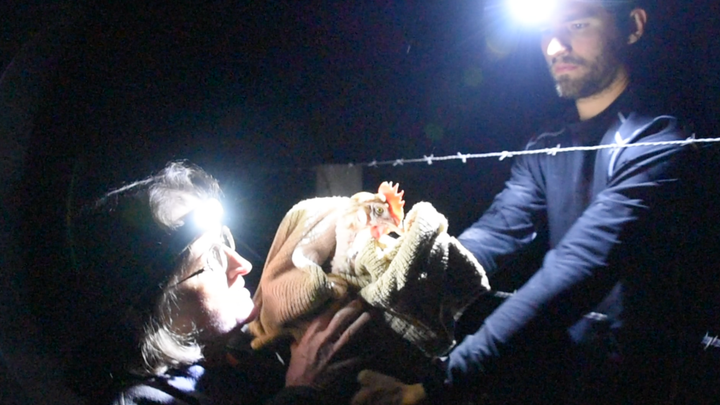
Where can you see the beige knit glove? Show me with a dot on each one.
(423, 282)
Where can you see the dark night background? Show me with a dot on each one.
(259, 93)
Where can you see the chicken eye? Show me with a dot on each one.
(379, 210)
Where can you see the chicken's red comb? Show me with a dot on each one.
(394, 200)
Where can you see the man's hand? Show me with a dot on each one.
(379, 389)
(323, 338)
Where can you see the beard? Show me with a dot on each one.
(600, 74)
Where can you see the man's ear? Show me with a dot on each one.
(638, 19)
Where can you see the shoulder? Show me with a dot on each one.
(653, 143)
(143, 393)
(553, 130)
(546, 140)
(645, 133)
(176, 388)
(642, 116)
(642, 128)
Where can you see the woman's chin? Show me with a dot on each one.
(247, 311)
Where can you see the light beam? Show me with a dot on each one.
(531, 12)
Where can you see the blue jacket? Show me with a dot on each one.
(615, 223)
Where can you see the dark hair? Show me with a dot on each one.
(619, 4)
(123, 252)
(621, 9)
(632, 56)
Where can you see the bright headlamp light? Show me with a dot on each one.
(206, 217)
(531, 12)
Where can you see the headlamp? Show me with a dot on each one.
(531, 12)
(206, 217)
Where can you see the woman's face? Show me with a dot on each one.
(213, 301)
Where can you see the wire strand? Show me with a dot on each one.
(549, 151)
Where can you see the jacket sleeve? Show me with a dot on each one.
(579, 271)
(509, 224)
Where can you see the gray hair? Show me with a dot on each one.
(160, 346)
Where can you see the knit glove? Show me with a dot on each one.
(423, 281)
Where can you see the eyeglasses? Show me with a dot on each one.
(215, 258)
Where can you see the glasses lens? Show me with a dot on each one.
(227, 238)
(216, 258)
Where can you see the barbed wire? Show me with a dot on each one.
(549, 151)
(709, 341)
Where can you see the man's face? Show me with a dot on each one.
(581, 45)
(214, 301)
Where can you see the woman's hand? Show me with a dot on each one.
(325, 335)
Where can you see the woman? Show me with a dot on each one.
(158, 293)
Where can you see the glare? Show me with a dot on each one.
(531, 12)
(208, 215)
(554, 47)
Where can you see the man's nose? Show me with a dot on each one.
(555, 47)
(237, 265)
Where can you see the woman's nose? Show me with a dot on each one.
(237, 265)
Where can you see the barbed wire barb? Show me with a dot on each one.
(713, 341)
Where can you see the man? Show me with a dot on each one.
(159, 293)
(619, 232)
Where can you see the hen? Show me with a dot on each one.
(316, 242)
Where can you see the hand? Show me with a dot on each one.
(379, 389)
(323, 338)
